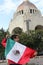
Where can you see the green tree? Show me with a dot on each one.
(34, 39)
(26, 39)
(2, 35)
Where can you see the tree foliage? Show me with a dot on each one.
(34, 39)
(2, 49)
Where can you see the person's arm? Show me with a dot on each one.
(4, 42)
(33, 53)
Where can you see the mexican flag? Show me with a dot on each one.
(17, 52)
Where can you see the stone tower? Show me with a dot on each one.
(27, 17)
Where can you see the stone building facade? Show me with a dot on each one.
(27, 17)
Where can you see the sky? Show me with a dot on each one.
(8, 8)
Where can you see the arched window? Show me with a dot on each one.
(33, 11)
(39, 27)
(17, 30)
(22, 11)
(30, 10)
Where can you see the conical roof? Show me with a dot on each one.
(25, 4)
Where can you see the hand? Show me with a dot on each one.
(7, 36)
(35, 54)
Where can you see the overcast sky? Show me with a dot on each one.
(8, 8)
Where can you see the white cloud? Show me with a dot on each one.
(7, 6)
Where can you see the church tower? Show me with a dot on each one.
(27, 17)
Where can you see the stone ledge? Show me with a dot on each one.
(3, 61)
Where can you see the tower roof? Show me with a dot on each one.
(25, 0)
(26, 3)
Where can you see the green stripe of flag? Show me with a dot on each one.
(9, 45)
